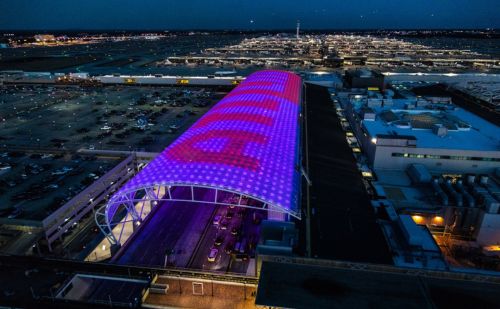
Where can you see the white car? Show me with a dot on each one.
(213, 255)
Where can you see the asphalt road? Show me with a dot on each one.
(247, 233)
(200, 257)
(161, 234)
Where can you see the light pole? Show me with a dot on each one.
(305, 174)
(165, 261)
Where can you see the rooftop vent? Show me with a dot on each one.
(439, 130)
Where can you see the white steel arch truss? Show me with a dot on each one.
(153, 195)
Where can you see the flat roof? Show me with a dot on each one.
(345, 225)
(482, 135)
(168, 77)
(310, 286)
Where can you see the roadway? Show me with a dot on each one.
(162, 234)
(240, 229)
(181, 234)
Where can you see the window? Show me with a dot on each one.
(183, 81)
(197, 288)
(442, 157)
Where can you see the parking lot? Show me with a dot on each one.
(36, 184)
(42, 127)
(111, 117)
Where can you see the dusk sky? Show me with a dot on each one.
(257, 14)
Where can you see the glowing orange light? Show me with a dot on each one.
(492, 248)
(417, 219)
(438, 219)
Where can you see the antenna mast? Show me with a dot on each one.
(298, 29)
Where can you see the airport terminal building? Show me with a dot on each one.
(396, 133)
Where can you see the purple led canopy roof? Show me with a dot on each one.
(247, 143)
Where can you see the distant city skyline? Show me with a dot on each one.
(247, 15)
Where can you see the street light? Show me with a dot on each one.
(167, 253)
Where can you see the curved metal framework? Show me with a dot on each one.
(137, 208)
(246, 146)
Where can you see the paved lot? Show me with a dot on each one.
(307, 286)
(111, 117)
(129, 56)
(37, 185)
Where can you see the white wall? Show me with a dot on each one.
(385, 160)
(489, 230)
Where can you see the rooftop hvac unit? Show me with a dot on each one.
(411, 231)
(439, 130)
(469, 198)
(471, 178)
(457, 197)
(492, 206)
(483, 180)
(157, 288)
(418, 173)
(439, 192)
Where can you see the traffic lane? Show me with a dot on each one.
(170, 225)
(200, 255)
(164, 235)
(161, 232)
(89, 231)
(186, 246)
(248, 237)
(164, 213)
(223, 259)
(200, 259)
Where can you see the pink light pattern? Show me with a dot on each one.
(247, 143)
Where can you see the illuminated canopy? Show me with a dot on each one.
(248, 143)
